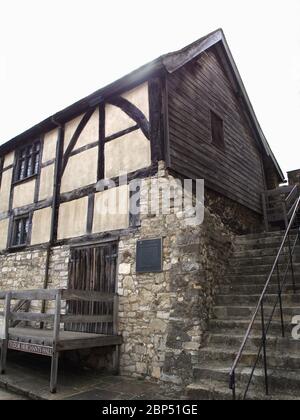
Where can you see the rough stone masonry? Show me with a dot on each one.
(163, 316)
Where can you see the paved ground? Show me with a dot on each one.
(9, 396)
(29, 376)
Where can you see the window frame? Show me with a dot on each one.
(217, 136)
(13, 242)
(29, 157)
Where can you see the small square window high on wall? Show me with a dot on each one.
(217, 130)
(28, 161)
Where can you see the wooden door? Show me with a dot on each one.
(93, 269)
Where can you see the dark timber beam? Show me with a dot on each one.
(1, 169)
(57, 182)
(166, 123)
(55, 208)
(156, 119)
(101, 148)
(75, 137)
(133, 112)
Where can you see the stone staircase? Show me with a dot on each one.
(239, 295)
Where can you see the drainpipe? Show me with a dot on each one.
(55, 203)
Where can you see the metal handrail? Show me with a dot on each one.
(290, 196)
(260, 308)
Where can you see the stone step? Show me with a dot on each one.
(252, 299)
(279, 379)
(243, 269)
(256, 279)
(239, 295)
(226, 356)
(277, 344)
(239, 327)
(253, 289)
(264, 235)
(256, 261)
(258, 235)
(246, 312)
(261, 243)
(264, 251)
(206, 390)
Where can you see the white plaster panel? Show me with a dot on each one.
(116, 120)
(140, 98)
(70, 129)
(111, 210)
(72, 219)
(9, 159)
(49, 147)
(24, 194)
(5, 190)
(90, 133)
(41, 226)
(127, 154)
(46, 182)
(80, 171)
(4, 224)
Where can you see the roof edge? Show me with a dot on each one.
(174, 61)
(168, 62)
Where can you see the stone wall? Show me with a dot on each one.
(163, 316)
(26, 270)
(237, 218)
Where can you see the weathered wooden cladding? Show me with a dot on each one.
(235, 172)
(179, 130)
(97, 263)
(50, 342)
(156, 119)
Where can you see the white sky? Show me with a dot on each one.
(54, 52)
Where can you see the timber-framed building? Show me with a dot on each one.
(184, 115)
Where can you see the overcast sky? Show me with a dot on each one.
(54, 52)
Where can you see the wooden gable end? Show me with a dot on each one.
(196, 92)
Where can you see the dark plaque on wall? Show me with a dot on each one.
(149, 256)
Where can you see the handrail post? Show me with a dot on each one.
(55, 353)
(5, 338)
(232, 385)
(260, 307)
(264, 339)
(265, 209)
(292, 263)
(285, 214)
(116, 314)
(116, 354)
(280, 301)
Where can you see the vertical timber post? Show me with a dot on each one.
(5, 333)
(55, 354)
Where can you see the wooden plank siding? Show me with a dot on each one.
(236, 171)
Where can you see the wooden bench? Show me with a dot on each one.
(51, 342)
